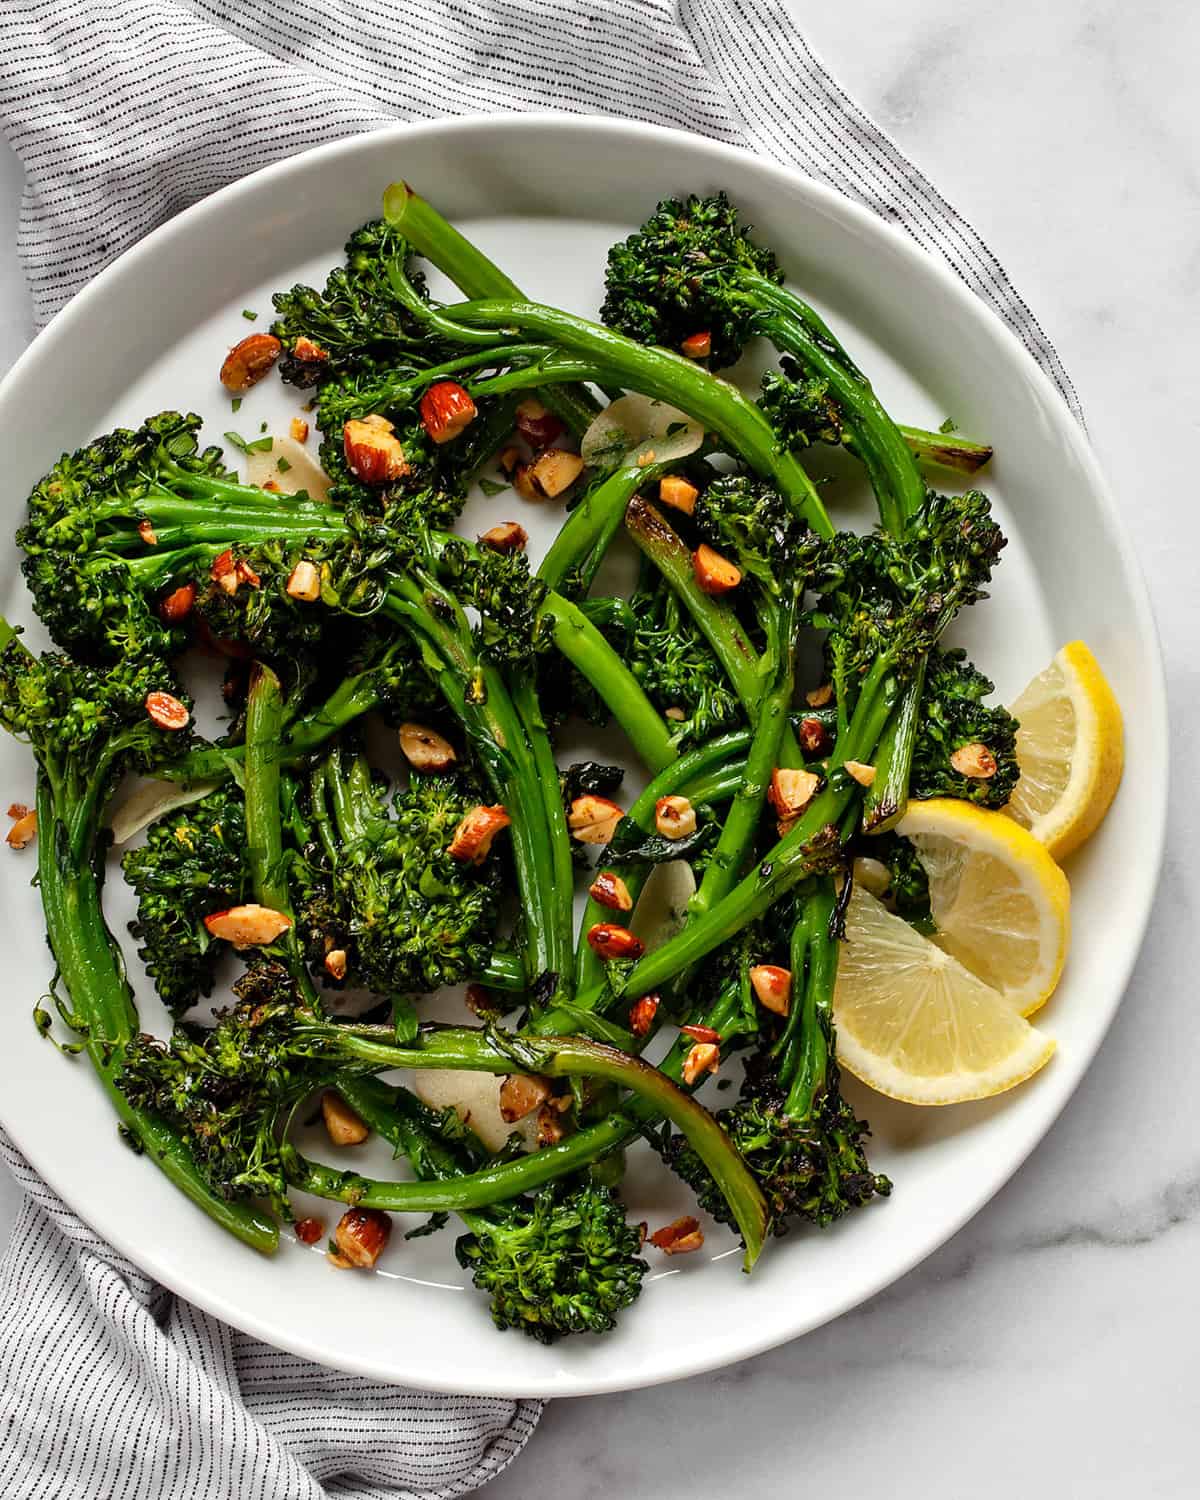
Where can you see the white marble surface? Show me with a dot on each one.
(1051, 1347)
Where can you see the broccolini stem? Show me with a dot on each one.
(667, 377)
(583, 645)
(94, 978)
(570, 1057)
(946, 450)
(802, 1052)
(503, 971)
(662, 545)
(810, 845)
(475, 275)
(886, 799)
(264, 825)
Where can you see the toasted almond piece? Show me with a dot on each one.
(974, 760)
(820, 697)
(715, 574)
(298, 428)
(249, 360)
(373, 451)
(674, 817)
(703, 1057)
(509, 458)
(304, 582)
(248, 926)
(697, 345)
(773, 987)
(167, 711)
(674, 490)
(224, 572)
(860, 772)
(536, 425)
(593, 819)
(147, 533)
(17, 809)
(336, 962)
(309, 1231)
(813, 737)
(446, 410)
(792, 790)
(508, 536)
(550, 474)
(425, 749)
(610, 890)
(701, 1033)
(646, 457)
(679, 1237)
(362, 1235)
(24, 829)
(310, 352)
(521, 1094)
(550, 1128)
(344, 1126)
(246, 573)
(610, 941)
(473, 837)
(642, 1013)
(676, 715)
(178, 604)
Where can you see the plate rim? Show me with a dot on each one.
(46, 344)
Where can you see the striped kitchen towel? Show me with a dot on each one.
(123, 112)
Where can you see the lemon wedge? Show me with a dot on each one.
(1000, 904)
(916, 1024)
(1070, 748)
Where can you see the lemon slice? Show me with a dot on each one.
(1000, 904)
(1070, 748)
(916, 1024)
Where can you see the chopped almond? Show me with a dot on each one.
(813, 737)
(446, 410)
(860, 772)
(550, 1128)
(472, 841)
(507, 537)
(549, 475)
(298, 428)
(675, 714)
(147, 533)
(373, 451)
(17, 809)
(677, 492)
(715, 574)
(425, 749)
(703, 1057)
(819, 697)
(975, 761)
(610, 890)
(773, 987)
(310, 352)
(646, 457)
(309, 1231)
(248, 926)
(361, 1236)
(792, 790)
(224, 571)
(642, 1013)
(167, 711)
(178, 604)
(249, 360)
(697, 345)
(701, 1033)
(674, 817)
(510, 457)
(304, 582)
(609, 941)
(24, 828)
(521, 1094)
(336, 962)
(344, 1126)
(536, 425)
(678, 1238)
(592, 819)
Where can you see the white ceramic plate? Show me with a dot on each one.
(546, 196)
